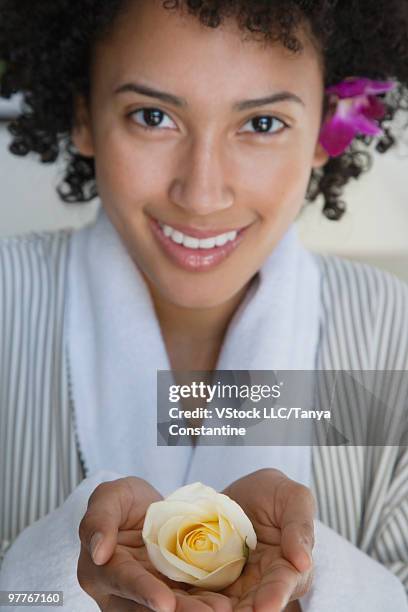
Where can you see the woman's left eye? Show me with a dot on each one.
(266, 124)
(152, 118)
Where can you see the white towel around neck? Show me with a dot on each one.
(115, 347)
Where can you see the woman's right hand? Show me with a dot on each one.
(113, 566)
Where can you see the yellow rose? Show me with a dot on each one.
(198, 536)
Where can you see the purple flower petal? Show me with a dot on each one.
(357, 112)
(336, 134)
(374, 88)
(374, 109)
(364, 125)
(350, 88)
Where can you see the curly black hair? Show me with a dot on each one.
(46, 47)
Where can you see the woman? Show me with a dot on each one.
(201, 143)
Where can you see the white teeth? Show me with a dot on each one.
(177, 237)
(207, 243)
(221, 240)
(196, 243)
(191, 243)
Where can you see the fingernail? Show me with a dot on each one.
(303, 560)
(308, 555)
(94, 545)
(306, 549)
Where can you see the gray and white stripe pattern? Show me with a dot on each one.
(39, 465)
(361, 492)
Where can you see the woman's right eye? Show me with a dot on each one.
(152, 118)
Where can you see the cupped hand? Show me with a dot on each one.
(280, 569)
(113, 566)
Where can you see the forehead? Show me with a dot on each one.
(175, 50)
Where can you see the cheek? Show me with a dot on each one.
(277, 180)
(128, 171)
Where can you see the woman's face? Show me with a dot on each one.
(233, 136)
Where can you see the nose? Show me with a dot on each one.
(200, 184)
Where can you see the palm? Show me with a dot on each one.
(265, 581)
(131, 548)
(268, 578)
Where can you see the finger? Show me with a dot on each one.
(118, 604)
(304, 584)
(277, 588)
(297, 510)
(130, 580)
(129, 537)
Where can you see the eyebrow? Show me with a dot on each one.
(144, 90)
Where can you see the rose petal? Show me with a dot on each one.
(170, 570)
(223, 576)
(225, 529)
(167, 534)
(187, 526)
(210, 561)
(167, 544)
(193, 492)
(160, 512)
(213, 527)
(198, 494)
(237, 517)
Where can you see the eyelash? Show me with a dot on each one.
(149, 128)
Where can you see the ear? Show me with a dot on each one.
(81, 134)
(320, 157)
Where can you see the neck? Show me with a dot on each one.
(196, 325)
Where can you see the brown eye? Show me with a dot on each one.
(151, 118)
(266, 124)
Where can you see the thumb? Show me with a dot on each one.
(107, 510)
(297, 527)
(102, 545)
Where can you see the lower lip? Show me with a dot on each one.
(195, 259)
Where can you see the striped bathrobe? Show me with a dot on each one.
(361, 491)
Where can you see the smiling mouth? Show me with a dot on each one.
(196, 252)
(196, 239)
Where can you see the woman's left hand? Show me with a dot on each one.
(280, 569)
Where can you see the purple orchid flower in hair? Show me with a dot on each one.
(356, 112)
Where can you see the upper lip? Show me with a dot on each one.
(195, 232)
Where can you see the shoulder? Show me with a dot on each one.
(33, 278)
(26, 257)
(366, 306)
(45, 243)
(345, 275)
